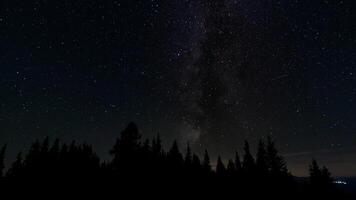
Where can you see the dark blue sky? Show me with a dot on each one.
(84, 69)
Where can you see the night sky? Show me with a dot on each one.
(212, 74)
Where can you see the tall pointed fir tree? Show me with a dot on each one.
(248, 164)
(126, 147)
(196, 165)
(276, 163)
(237, 162)
(261, 160)
(314, 172)
(230, 169)
(326, 176)
(188, 157)
(319, 177)
(206, 162)
(157, 146)
(2, 161)
(220, 168)
(16, 169)
(174, 156)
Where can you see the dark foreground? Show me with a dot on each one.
(145, 170)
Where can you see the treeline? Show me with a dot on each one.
(145, 164)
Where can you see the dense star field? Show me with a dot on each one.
(210, 73)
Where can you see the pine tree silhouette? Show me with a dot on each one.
(16, 170)
(314, 171)
(157, 146)
(238, 165)
(55, 147)
(146, 146)
(126, 148)
(248, 164)
(45, 145)
(175, 158)
(142, 165)
(196, 164)
(188, 157)
(321, 183)
(276, 164)
(2, 159)
(220, 168)
(326, 176)
(319, 176)
(206, 162)
(231, 168)
(261, 160)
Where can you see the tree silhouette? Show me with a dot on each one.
(45, 146)
(321, 183)
(314, 171)
(55, 147)
(138, 166)
(126, 147)
(248, 164)
(146, 146)
(238, 165)
(326, 176)
(188, 157)
(276, 164)
(16, 170)
(196, 164)
(319, 176)
(157, 146)
(175, 158)
(261, 159)
(220, 167)
(231, 168)
(206, 162)
(2, 159)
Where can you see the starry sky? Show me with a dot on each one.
(211, 73)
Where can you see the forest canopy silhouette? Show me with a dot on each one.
(145, 164)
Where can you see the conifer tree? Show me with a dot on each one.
(157, 145)
(231, 170)
(276, 164)
(261, 159)
(2, 160)
(206, 162)
(319, 177)
(248, 161)
(196, 165)
(326, 176)
(45, 145)
(146, 145)
(188, 156)
(220, 167)
(237, 162)
(126, 146)
(16, 169)
(314, 172)
(54, 150)
(174, 156)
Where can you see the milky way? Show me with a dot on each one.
(224, 83)
(252, 76)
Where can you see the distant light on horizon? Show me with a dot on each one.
(340, 182)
